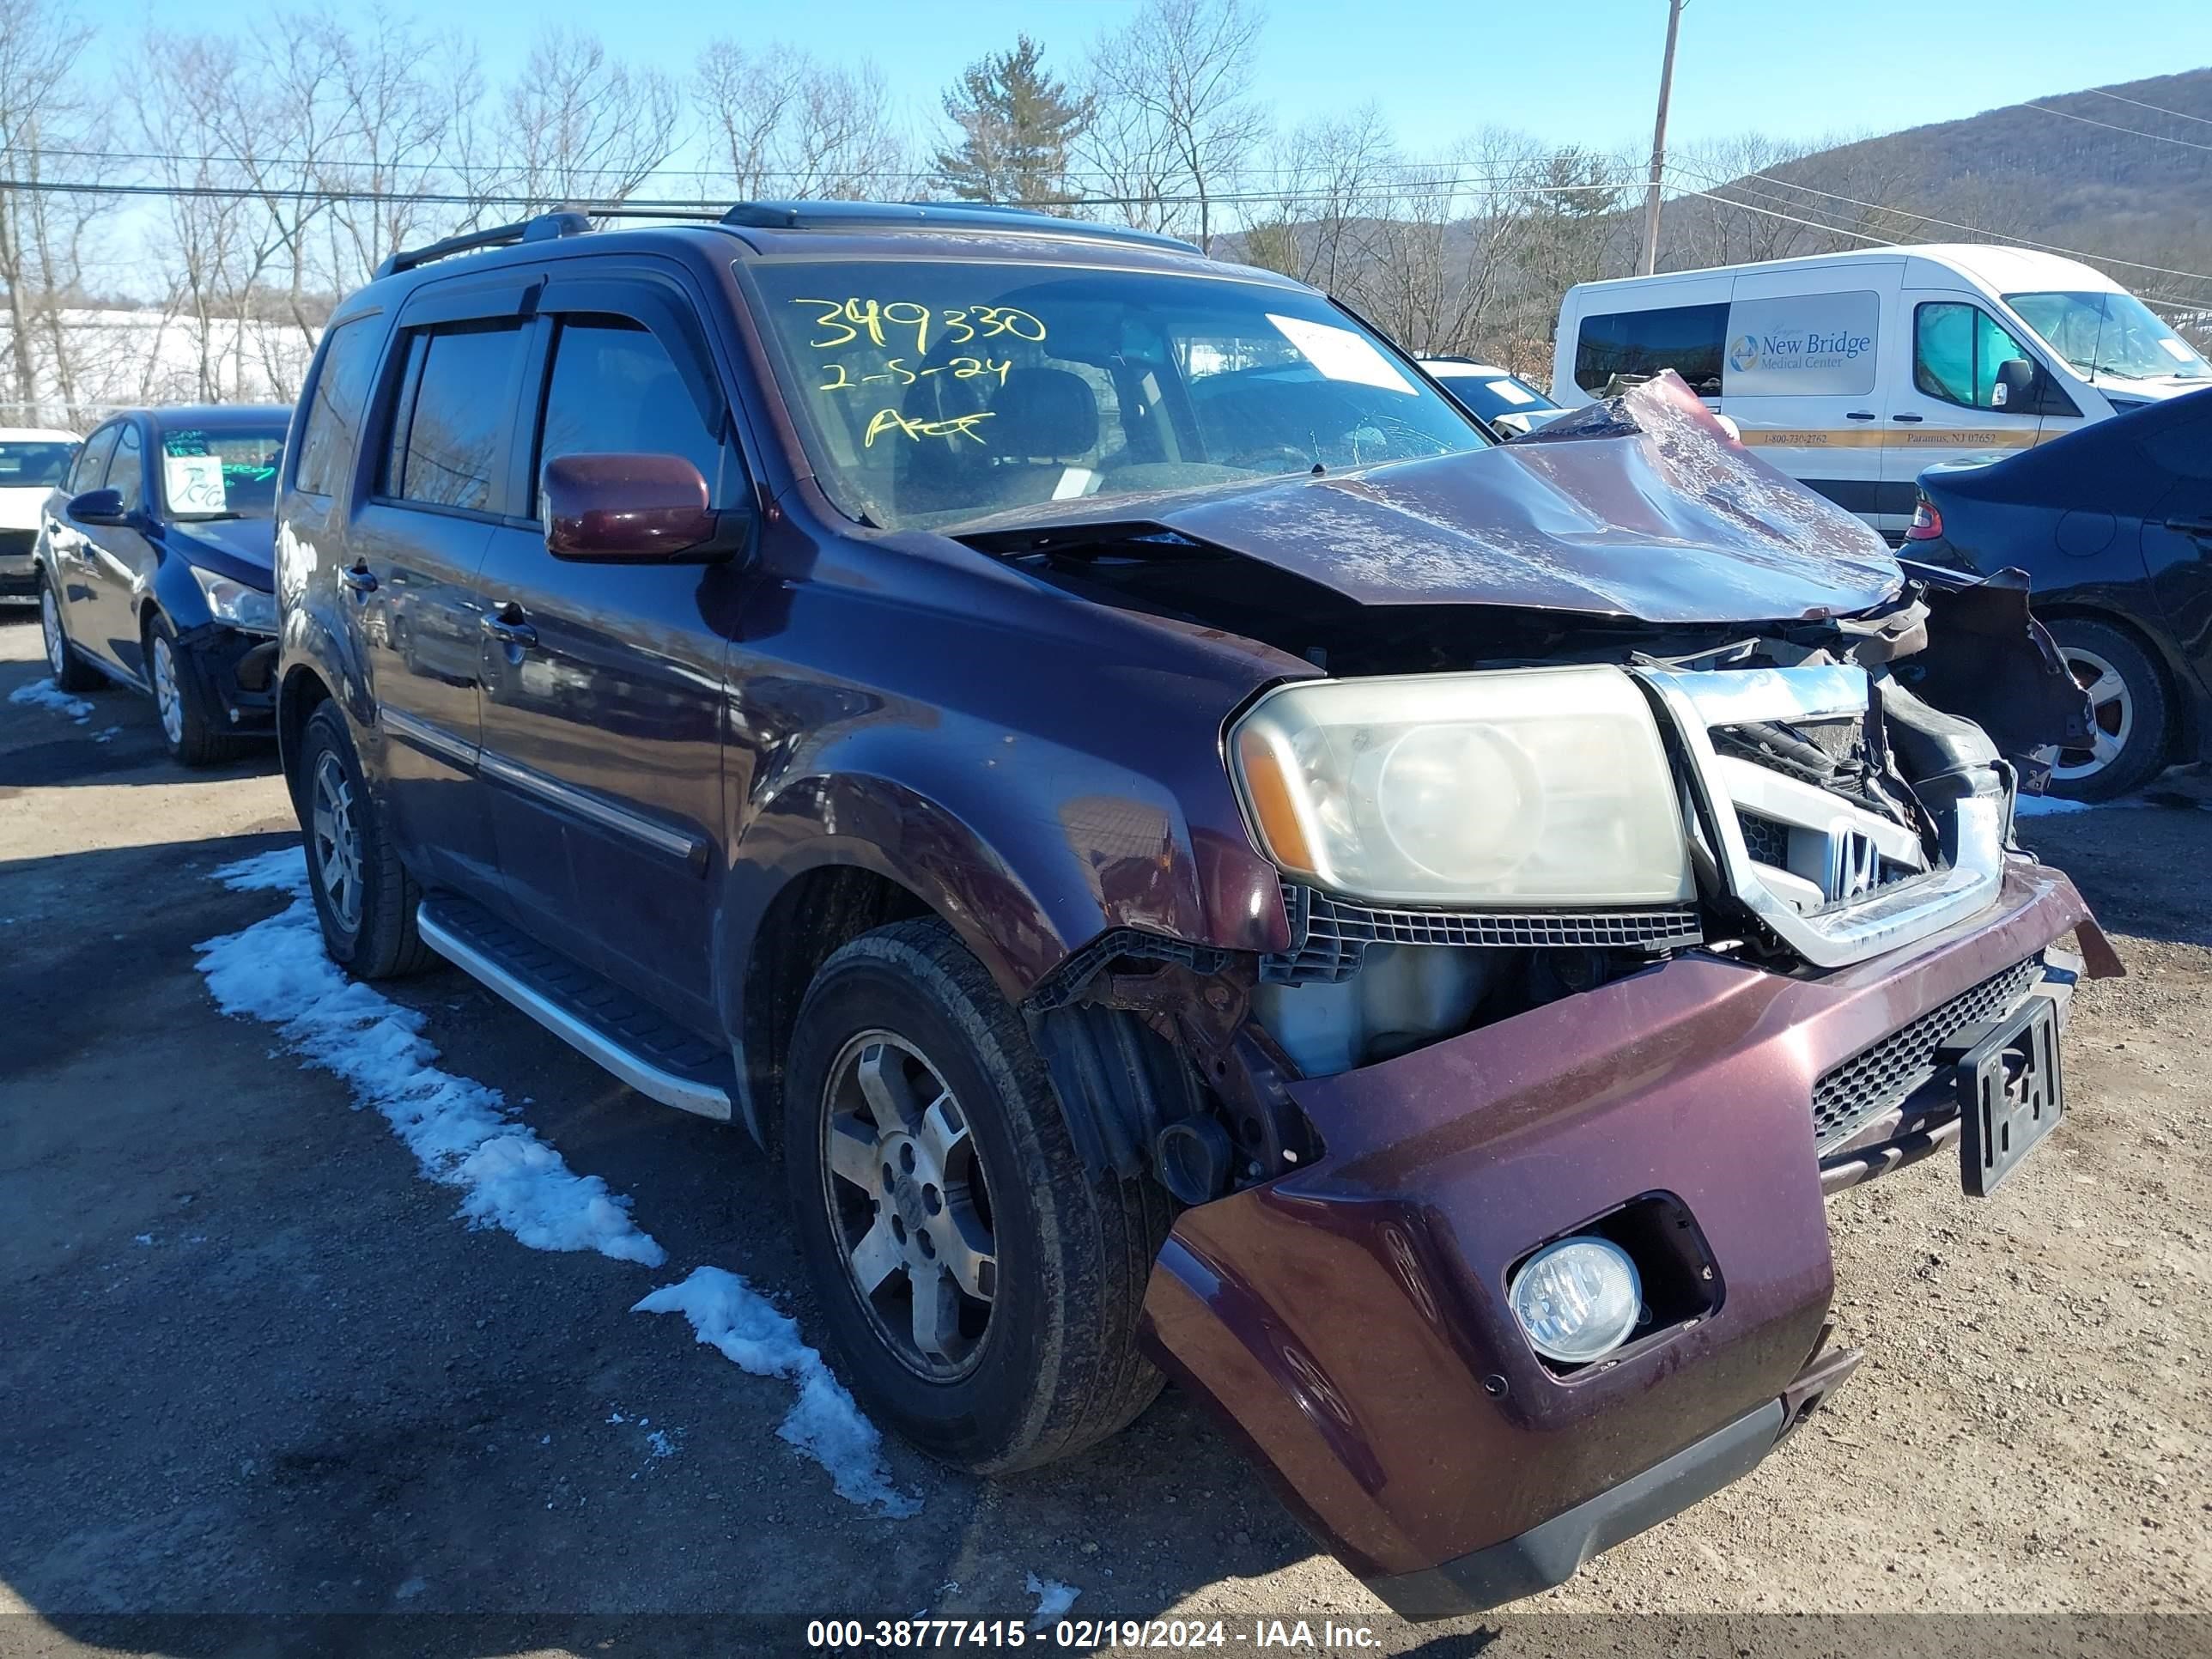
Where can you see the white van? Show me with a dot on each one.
(1851, 372)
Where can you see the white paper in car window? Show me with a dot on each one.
(1511, 392)
(194, 483)
(2178, 350)
(1341, 355)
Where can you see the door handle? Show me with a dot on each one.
(2191, 526)
(360, 578)
(508, 625)
(1908, 417)
(1858, 415)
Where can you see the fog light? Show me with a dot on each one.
(1576, 1299)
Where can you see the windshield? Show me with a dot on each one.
(25, 464)
(935, 392)
(2110, 334)
(230, 474)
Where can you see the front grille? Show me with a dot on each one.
(1330, 935)
(1767, 840)
(18, 541)
(1879, 1079)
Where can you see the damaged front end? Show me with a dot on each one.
(1645, 846)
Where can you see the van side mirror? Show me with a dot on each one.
(634, 509)
(100, 506)
(2015, 387)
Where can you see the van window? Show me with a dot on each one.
(1638, 344)
(1804, 345)
(326, 443)
(463, 383)
(1956, 348)
(615, 390)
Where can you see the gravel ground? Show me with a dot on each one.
(253, 1365)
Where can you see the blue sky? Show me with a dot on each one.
(1562, 69)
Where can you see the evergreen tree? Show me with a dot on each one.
(1017, 125)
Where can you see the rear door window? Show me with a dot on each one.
(126, 474)
(449, 437)
(613, 389)
(92, 461)
(1635, 345)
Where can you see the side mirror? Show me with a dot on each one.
(620, 509)
(101, 506)
(2015, 387)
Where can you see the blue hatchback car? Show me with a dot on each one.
(154, 567)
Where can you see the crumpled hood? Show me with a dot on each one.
(1641, 507)
(244, 549)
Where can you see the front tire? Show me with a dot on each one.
(189, 727)
(364, 897)
(70, 672)
(2129, 707)
(982, 1289)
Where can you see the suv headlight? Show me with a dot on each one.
(242, 606)
(1524, 786)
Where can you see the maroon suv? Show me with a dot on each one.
(1199, 857)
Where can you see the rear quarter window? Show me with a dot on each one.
(334, 409)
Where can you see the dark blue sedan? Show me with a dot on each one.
(155, 569)
(2114, 525)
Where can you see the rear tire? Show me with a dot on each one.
(364, 897)
(1047, 1364)
(189, 727)
(71, 672)
(2131, 712)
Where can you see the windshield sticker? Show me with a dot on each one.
(194, 483)
(1510, 392)
(1340, 353)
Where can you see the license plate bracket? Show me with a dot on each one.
(2010, 1091)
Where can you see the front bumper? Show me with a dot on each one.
(19, 570)
(236, 672)
(1350, 1321)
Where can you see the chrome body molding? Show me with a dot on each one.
(1838, 838)
(430, 739)
(686, 1094)
(690, 848)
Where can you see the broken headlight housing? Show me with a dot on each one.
(1511, 787)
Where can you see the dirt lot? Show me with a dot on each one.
(252, 1365)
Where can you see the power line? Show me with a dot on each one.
(2155, 109)
(2135, 132)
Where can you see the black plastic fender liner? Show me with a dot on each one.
(1990, 660)
(1120, 1083)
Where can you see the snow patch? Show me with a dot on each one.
(1054, 1600)
(45, 694)
(463, 1133)
(728, 1314)
(2040, 806)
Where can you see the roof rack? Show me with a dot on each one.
(785, 216)
(955, 216)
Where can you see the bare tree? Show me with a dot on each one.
(1331, 178)
(1173, 91)
(42, 228)
(786, 125)
(581, 126)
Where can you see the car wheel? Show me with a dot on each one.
(982, 1289)
(70, 672)
(2129, 713)
(364, 897)
(189, 727)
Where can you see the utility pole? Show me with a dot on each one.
(1659, 142)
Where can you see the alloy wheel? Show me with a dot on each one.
(49, 624)
(2112, 717)
(167, 697)
(336, 842)
(909, 1205)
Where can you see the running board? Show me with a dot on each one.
(605, 1023)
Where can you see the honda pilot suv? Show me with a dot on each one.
(1199, 859)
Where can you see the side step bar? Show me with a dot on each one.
(599, 1021)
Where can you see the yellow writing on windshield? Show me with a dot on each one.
(896, 372)
(959, 426)
(842, 322)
